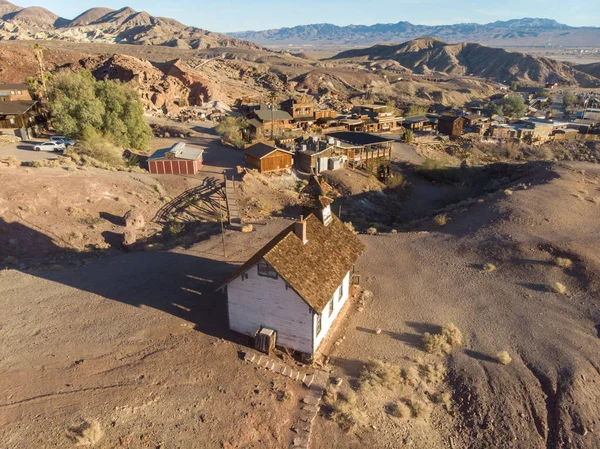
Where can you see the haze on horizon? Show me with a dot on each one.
(243, 15)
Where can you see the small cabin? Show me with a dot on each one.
(451, 125)
(176, 160)
(266, 158)
(297, 284)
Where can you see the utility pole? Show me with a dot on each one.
(272, 98)
(38, 51)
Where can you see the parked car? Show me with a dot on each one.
(63, 139)
(50, 146)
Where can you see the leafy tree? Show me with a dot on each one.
(569, 99)
(79, 103)
(514, 86)
(494, 109)
(232, 129)
(415, 109)
(408, 136)
(513, 106)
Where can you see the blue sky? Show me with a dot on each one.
(240, 15)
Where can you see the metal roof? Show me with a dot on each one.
(261, 150)
(14, 86)
(179, 151)
(359, 138)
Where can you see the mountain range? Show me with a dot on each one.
(125, 26)
(517, 32)
(430, 55)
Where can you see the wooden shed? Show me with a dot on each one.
(177, 160)
(266, 158)
(451, 126)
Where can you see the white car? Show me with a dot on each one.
(50, 146)
(63, 139)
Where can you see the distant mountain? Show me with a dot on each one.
(125, 26)
(430, 55)
(517, 32)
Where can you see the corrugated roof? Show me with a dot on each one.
(359, 138)
(260, 150)
(316, 269)
(264, 115)
(15, 107)
(416, 119)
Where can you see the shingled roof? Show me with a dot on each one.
(316, 269)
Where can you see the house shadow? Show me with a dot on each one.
(181, 285)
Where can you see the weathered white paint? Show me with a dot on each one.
(328, 318)
(255, 301)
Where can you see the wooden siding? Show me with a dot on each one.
(175, 167)
(276, 161)
(256, 301)
(327, 320)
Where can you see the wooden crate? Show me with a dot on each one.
(265, 340)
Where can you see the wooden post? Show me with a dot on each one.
(222, 227)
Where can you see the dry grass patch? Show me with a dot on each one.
(559, 288)
(399, 409)
(441, 219)
(563, 262)
(341, 408)
(376, 373)
(504, 358)
(372, 231)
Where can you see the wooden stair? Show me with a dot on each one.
(233, 210)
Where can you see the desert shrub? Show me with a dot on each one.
(503, 357)
(350, 226)
(46, 163)
(420, 409)
(431, 373)
(98, 147)
(342, 408)
(441, 219)
(372, 231)
(232, 129)
(86, 434)
(441, 344)
(175, 227)
(408, 136)
(444, 398)
(398, 409)
(453, 334)
(436, 344)
(508, 192)
(284, 396)
(376, 373)
(559, 288)
(563, 262)
(488, 267)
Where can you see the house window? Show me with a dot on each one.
(341, 292)
(19, 92)
(331, 307)
(318, 326)
(12, 92)
(266, 270)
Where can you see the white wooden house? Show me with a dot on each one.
(297, 284)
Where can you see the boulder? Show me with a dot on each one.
(128, 239)
(134, 220)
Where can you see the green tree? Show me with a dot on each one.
(232, 129)
(78, 103)
(408, 136)
(513, 106)
(415, 109)
(569, 99)
(494, 109)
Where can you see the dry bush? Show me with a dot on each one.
(441, 219)
(431, 373)
(563, 262)
(508, 192)
(503, 357)
(419, 408)
(441, 344)
(372, 231)
(559, 288)
(453, 334)
(46, 163)
(95, 146)
(350, 226)
(376, 373)
(86, 434)
(488, 267)
(411, 375)
(342, 408)
(436, 344)
(444, 398)
(175, 227)
(398, 409)
(284, 396)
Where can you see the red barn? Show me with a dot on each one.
(177, 160)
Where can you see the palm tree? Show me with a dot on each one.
(38, 52)
(272, 100)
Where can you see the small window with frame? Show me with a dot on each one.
(331, 307)
(341, 292)
(318, 325)
(266, 270)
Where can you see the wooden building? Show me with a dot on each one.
(265, 120)
(362, 148)
(266, 158)
(417, 123)
(297, 284)
(14, 92)
(451, 125)
(301, 109)
(177, 160)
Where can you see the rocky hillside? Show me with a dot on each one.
(591, 69)
(516, 32)
(430, 55)
(124, 26)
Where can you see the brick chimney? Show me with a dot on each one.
(300, 230)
